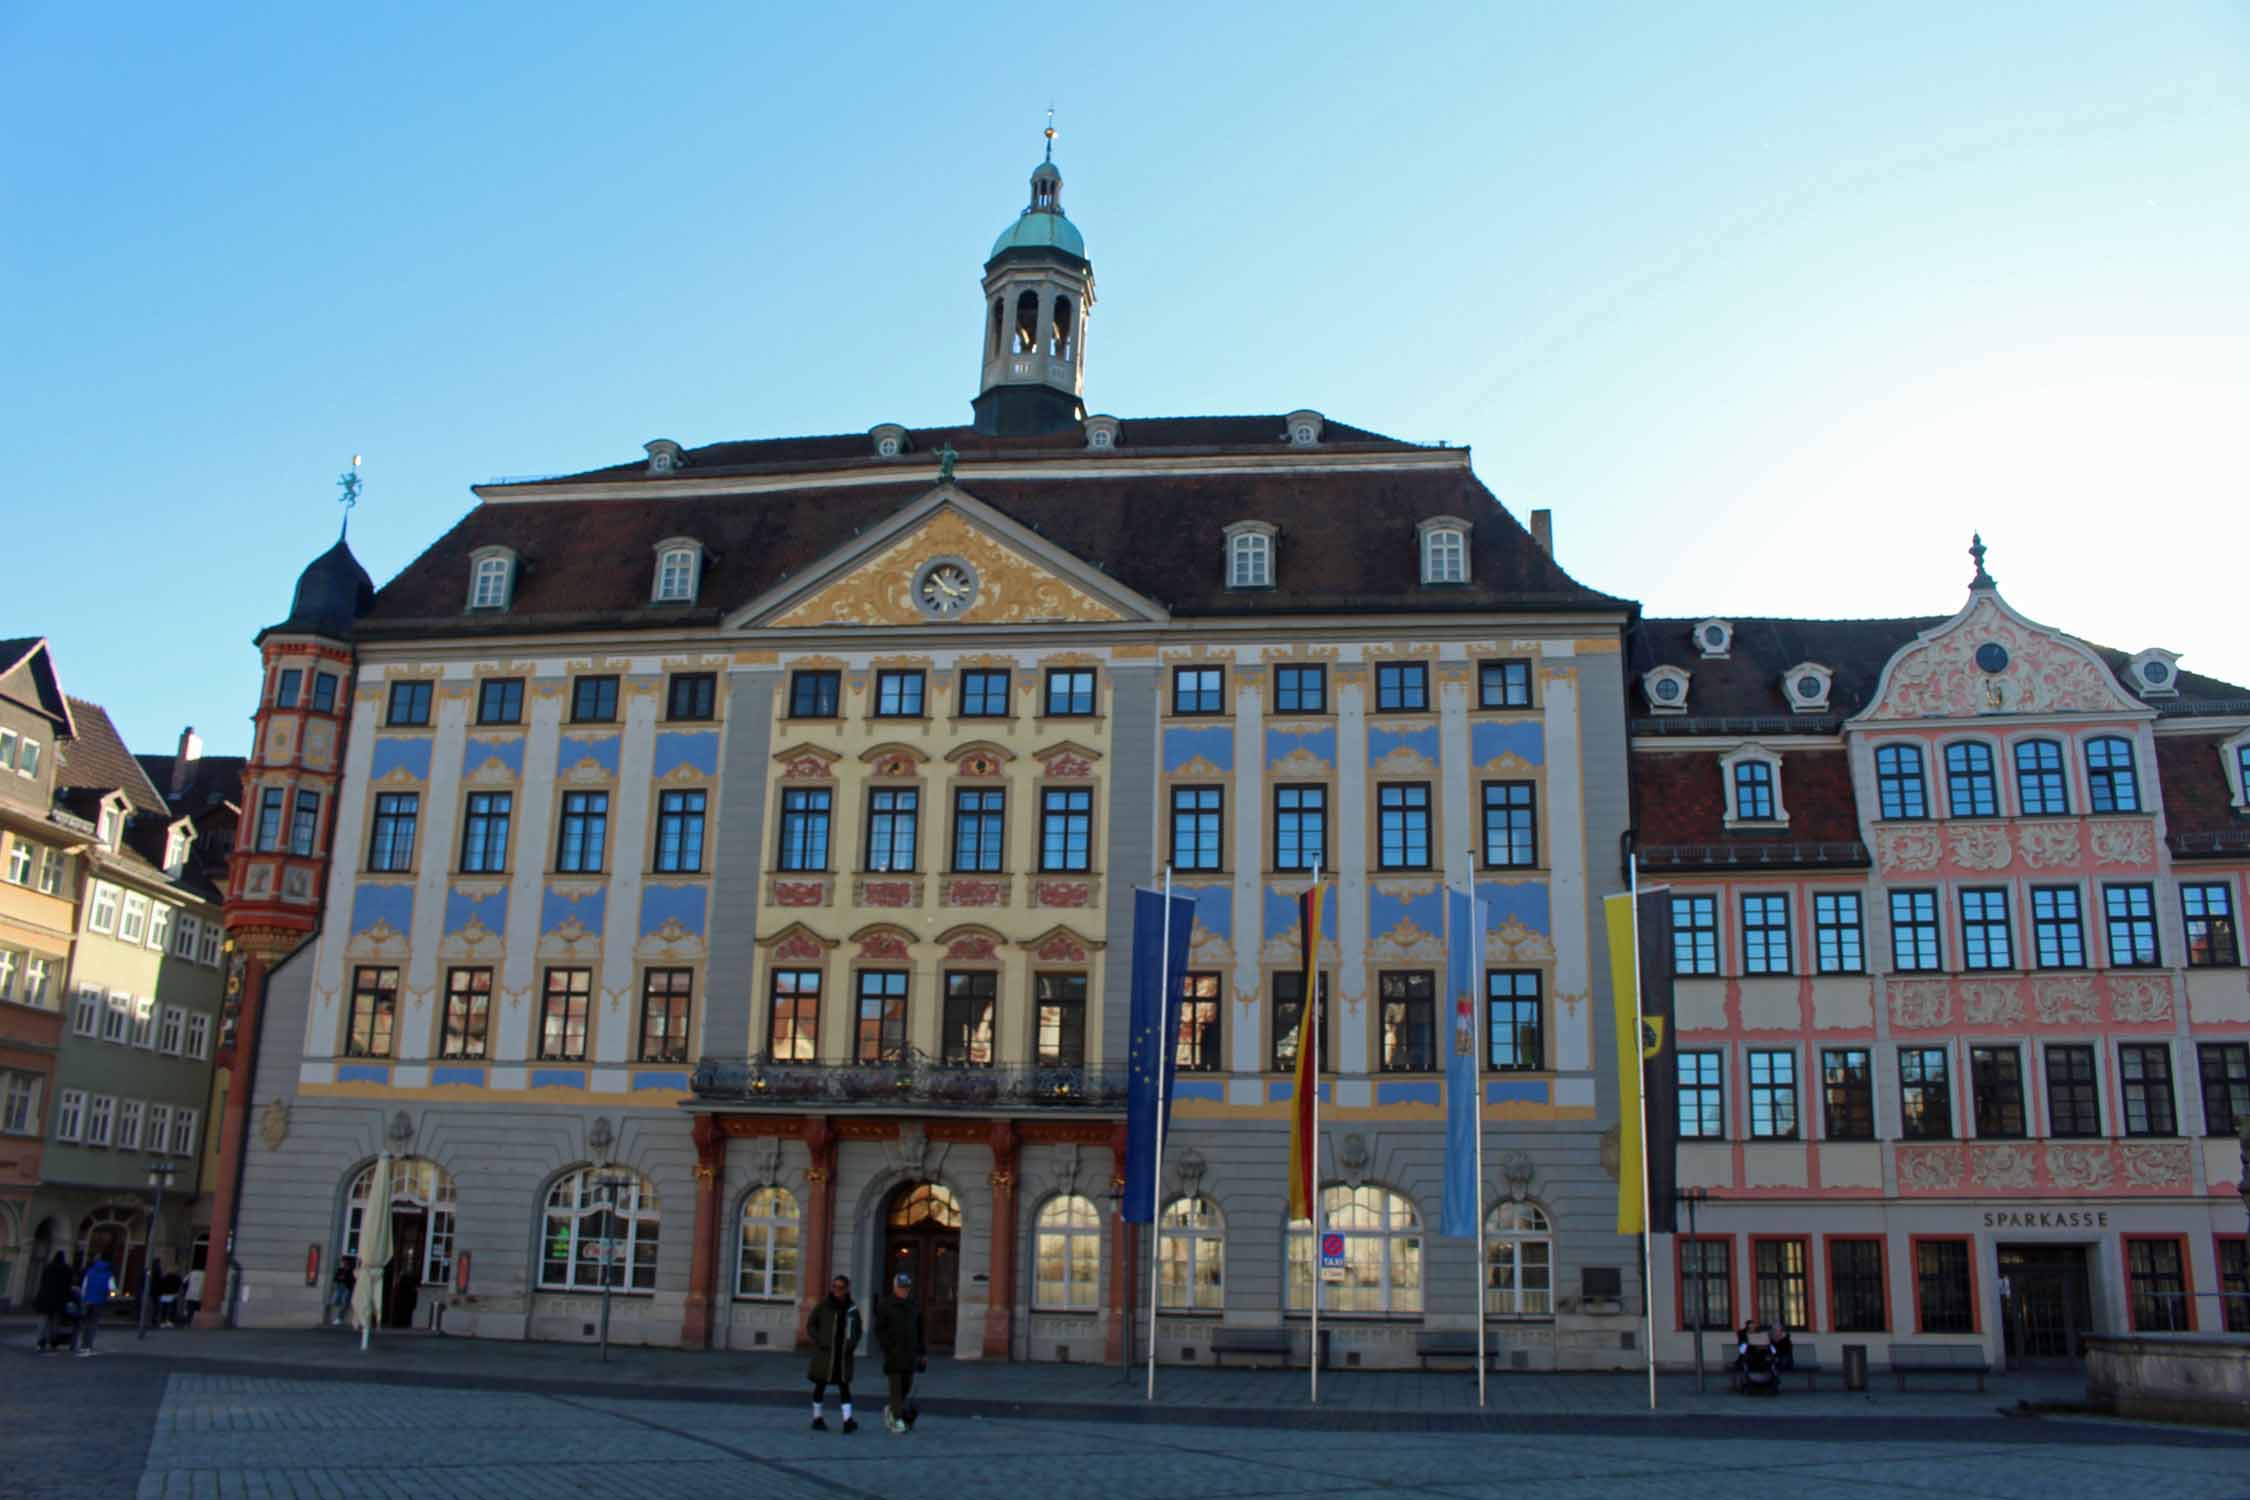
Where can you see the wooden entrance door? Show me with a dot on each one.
(922, 1237)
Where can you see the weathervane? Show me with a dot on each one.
(1050, 132)
(348, 482)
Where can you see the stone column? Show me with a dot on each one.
(1000, 1299)
(703, 1268)
(820, 1219)
(239, 1060)
(1124, 1241)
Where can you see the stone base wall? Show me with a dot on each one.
(2171, 1377)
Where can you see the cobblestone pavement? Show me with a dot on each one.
(252, 1436)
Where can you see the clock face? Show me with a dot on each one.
(1992, 656)
(945, 588)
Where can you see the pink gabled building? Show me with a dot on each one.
(1962, 1022)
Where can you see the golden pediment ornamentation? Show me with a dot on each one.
(1009, 588)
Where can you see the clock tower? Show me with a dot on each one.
(1038, 291)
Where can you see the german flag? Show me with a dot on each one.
(1304, 1145)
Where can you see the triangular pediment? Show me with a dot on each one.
(1990, 660)
(993, 572)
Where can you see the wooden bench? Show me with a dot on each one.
(1938, 1359)
(1454, 1343)
(1273, 1341)
(1804, 1359)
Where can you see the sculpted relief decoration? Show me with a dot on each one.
(1983, 848)
(1939, 678)
(1990, 1002)
(2065, 1002)
(2003, 1167)
(1919, 1004)
(1010, 590)
(2142, 998)
(2153, 1165)
(2079, 1167)
(2132, 843)
(1929, 1169)
(2048, 845)
(1907, 849)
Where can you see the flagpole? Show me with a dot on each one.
(1308, 1035)
(1648, 1204)
(1168, 1042)
(1476, 936)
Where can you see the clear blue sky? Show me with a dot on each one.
(1771, 305)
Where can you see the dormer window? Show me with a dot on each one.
(1444, 543)
(1250, 555)
(2156, 674)
(664, 455)
(2234, 759)
(492, 576)
(1666, 689)
(1302, 428)
(1102, 432)
(176, 846)
(1806, 686)
(679, 569)
(889, 439)
(1752, 777)
(1714, 638)
(105, 830)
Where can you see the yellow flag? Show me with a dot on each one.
(1632, 1046)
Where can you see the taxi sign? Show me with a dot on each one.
(1331, 1257)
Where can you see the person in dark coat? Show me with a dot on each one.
(834, 1330)
(898, 1333)
(52, 1303)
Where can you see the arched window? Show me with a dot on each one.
(675, 575)
(926, 1203)
(1382, 1254)
(1061, 332)
(420, 1190)
(1971, 789)
(1027, 323)
(2110, 787)
(596, 1220)
(1250, 561)
(1519, 1262)
(1445, 556)
(1067, 1255)
(2041, 789)
(1191, 1253)
(1899, 790)
(489, 579)
(769, 1245)
(999, 323)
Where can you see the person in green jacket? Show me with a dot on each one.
(834, 1330)
(898, 1333)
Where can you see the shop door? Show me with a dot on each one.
(403, 1293)
(2048, 1302)
(922, 1237)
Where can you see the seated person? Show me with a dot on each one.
(1784, 1354)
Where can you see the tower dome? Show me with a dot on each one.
(1042, 225)
(332, 593)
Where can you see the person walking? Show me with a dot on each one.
(52, 1303)
(898, 1333)
(340, 1286)
(834, 1330)
(92, 1293)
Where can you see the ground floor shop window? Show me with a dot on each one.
(1706, 1269)
(1067, 1255)
(1944, 1297)
(2156, 1286)
(1382, 1254)
(597, 1222)
(769, 1245)
(1191, 1257)
(1855, 1286)
(422, 1213)
(1519, 1262)
(1783, 1282)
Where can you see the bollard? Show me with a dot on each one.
(1855, 1367)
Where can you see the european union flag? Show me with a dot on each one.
(1464, 954)
(1159, 967)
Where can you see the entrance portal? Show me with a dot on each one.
(922, 1237)
(2046, 1302)
(410, 1229)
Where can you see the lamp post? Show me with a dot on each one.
(1691, 1197)
(160, 1171)
(610, 1181)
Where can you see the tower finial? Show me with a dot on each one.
(348, 481)
(1983, 580)
(1050, 132)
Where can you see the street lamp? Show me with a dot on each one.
(160, 1170)
(610, 1181)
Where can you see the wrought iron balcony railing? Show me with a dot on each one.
(915, 1081)
(1753, 854)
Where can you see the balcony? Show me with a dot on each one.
(916, 1082)
(1755, 855)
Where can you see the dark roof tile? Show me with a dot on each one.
(96, 760)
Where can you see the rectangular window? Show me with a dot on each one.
(28, 764)
(1773, 1096)
(898, 695)
(971, 1000)
(1783, 1282)
(500, 701)
(1066, 828)
(1059, 1019)
(1504, 684)
(793, 1026)
(374, 1012)
(2040, 789)
(185, 932)
(1996, 1081)
(1288, 989)
(2058, 929)
(51, 871)
(1403, 825)
(565, 1007)
(583, 841)
(1971, 789)
(1753, 792)
(1409, 1018)
(1855, 1286)
(324, 692)
(979, 818)
(1198, 1043)
(171, 1031)
(19, 1109)
(881, 1032)
(199, 1038)
(666, 998)
(593, 700)
(392, 847)
(10, 961)
(814, 694)
(1837, 945)
(1899, 790)
(208, 950)
(984, 693)
(70, 1114)
(2226, 1085)
(304, 827)
(2156, 1285)
(894, 824)
(7, 749)
(1402, 687)
(2130, 914)
(409, 705)
(1942, 1297)
(159, 1129)
(1986, 942)
(133, 925)
(2110, 787)
(2208, 913)
(1300, 690)
(1702, 1096)
(1695, 934)
(1070, 692)
(19, 862)
(1300, 827)
(468, 1013)
(2073, 1101)
(117, 1017)
(144, 1023)
(804, 828)
(2234, 1283)
(1914, 932)
(160, 927)
(1511, 825)
(1765, 935)
(101, 1117)
(184, 1122)
(692, 697)
(286, 687)
(1925, 1090)
(1515, 1040)
(1198, 690)
(484, 833)
(37, 976)
(1195, 828)
(2144, 1073)
(269, 819)
(1706, 1283)
(679, 832)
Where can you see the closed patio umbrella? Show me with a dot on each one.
(374, 1250)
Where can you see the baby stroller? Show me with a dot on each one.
(1758, 1374)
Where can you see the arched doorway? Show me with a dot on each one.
(922, 1237)
(421, 1232)
(120, 1232)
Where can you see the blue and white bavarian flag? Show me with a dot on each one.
(1464, 946)
(1158, 970)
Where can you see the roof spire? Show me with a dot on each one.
(1050, 132)
(1983, 580)
(348, 482)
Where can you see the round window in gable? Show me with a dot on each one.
(2155, 673)
(1808, 687)
(1992, 656)
(1668, 689)
(1714, 636)
(887, 448)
